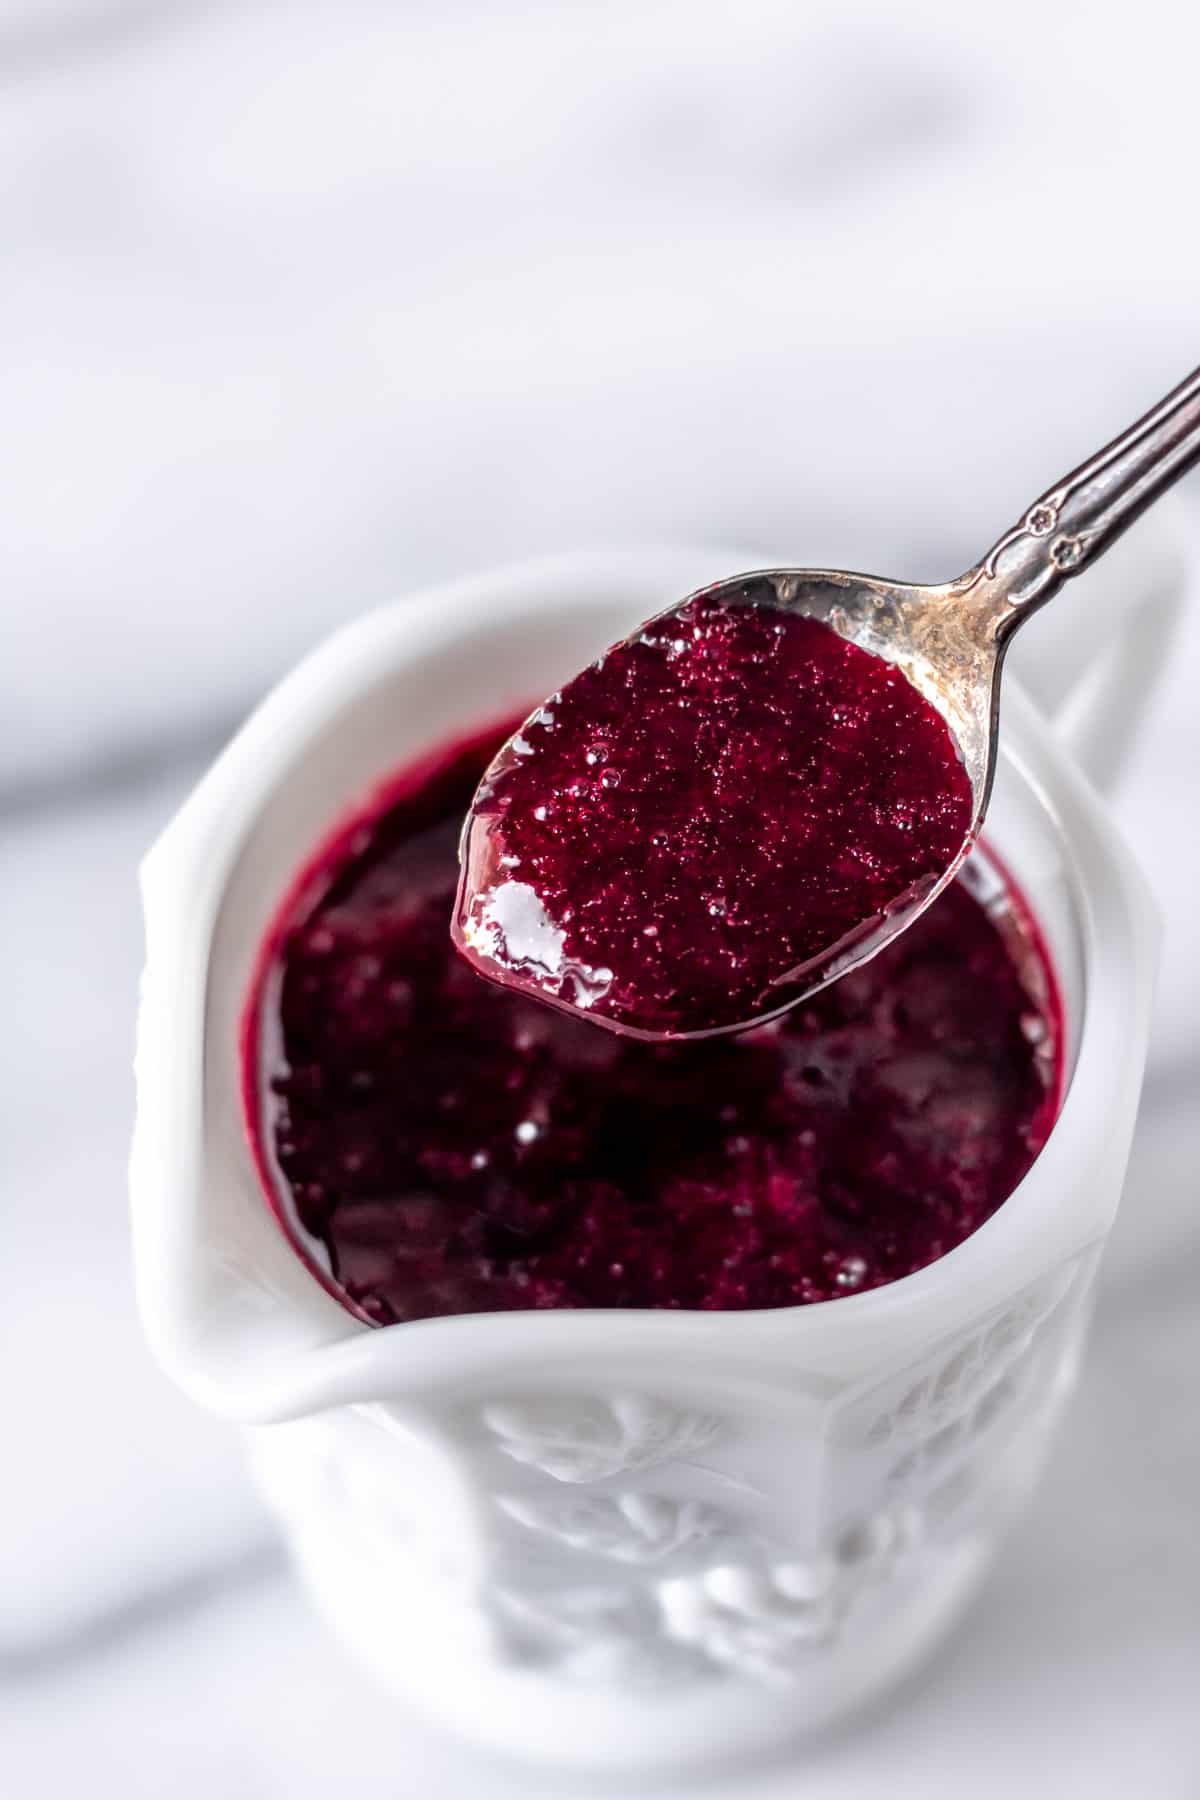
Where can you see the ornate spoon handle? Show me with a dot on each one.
(1077, 520)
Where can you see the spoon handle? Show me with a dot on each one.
(1082, 515)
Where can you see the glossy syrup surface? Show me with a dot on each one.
(697, 826)
(439, 1144)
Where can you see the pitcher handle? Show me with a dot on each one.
(1098, 702)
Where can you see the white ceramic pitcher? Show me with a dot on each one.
(630, 1538)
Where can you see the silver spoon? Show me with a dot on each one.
(950, 640)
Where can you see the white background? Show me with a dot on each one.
(303, 304)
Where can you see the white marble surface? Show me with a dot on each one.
(300, 309)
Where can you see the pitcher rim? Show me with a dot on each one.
(180, 1258)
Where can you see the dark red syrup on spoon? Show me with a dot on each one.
(703, 824)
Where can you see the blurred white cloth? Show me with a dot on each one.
(300, 307)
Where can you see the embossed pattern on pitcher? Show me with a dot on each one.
(625, 1548)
